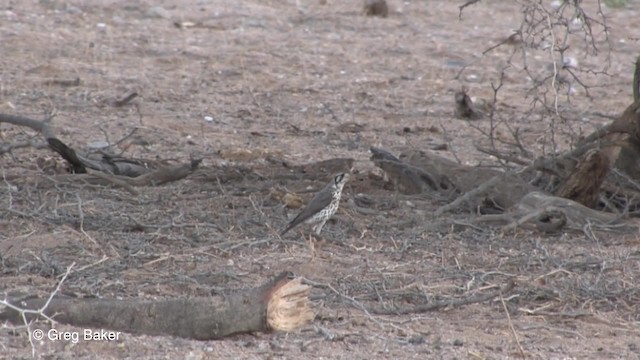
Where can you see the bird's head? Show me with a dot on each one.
(341, 179)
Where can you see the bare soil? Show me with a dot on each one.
(298, 82)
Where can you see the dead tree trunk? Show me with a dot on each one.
(584, 183)
(280, 304)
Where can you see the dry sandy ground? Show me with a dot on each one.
(279, 79)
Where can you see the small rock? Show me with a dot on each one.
(376, 8)
(208, 119)
(99, 144)
(454, 63)
(576, 24)
(158, 12)
(555, 5)
(73, 9)
(569, 62)
(472, 77)
(457, 342)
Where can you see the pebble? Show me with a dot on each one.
(158, 12)
(73, 9)
(569, 62)
(555, 5)
(99, 144)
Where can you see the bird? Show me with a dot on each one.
(376, 8)
(465, 108)
(322, 206)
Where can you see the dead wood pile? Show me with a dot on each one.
(102, 168)
(601, 173)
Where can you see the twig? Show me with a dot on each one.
(461, 7)
(436, 305)
(104, 258)
(113, 180)
(81, 214)
(506, 40)
(40, 312)
(513, 330)
(22, 144)
(505, 157)
(126, 137)
(63, 82)
(127, 99)
(353, 301)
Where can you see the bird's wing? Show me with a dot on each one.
(319, 202)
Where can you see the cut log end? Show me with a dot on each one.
(288, 308)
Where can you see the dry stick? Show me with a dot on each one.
(508, 39)
(23, 312)
(352, 300)
(9, 189)
(113, 180)
(104, 258)
(41, 126)
(22, 144)
(81, 214)
(513, 330)
(476, 355)
(468, 3)
(468, 196)
(130, 134)
(528, 217)
(127, 99)
(552, 329)
(446, 303)
(505, 157)
(64, 82)
(165, 174)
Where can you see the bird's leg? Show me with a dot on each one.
(312, 246)
(396, 197)
(318, 227)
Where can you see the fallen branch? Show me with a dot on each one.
(41, 126)
(111, 179)
(469, 196)
(550, 214)
(155, 178)
(164, 175)
(7, 148)
(282, 304)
